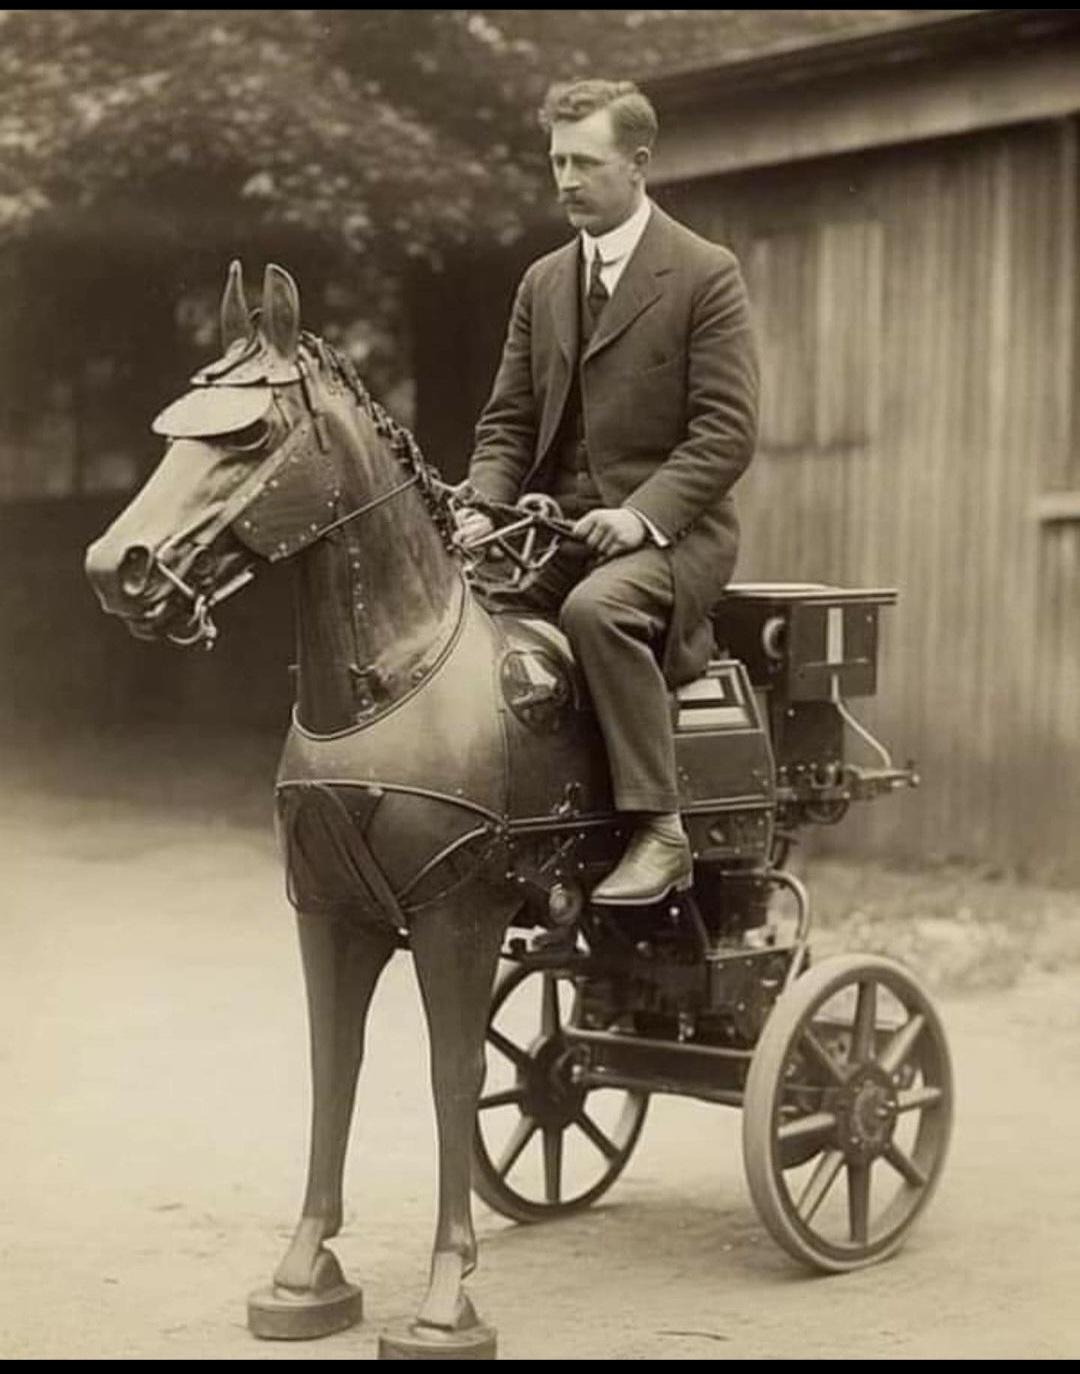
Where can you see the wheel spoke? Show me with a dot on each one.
(915, 1099)
(859, 1201)
(865, 1020)
(904, 1165)
(599, 1139)
(902, 1043)
(847, 1109)
(824, 1059)
(523, 1133)
(549, 1007)
(806, 1128)
(514, 1053)
(822, 1179)
(553, 1141)
(508, 1097)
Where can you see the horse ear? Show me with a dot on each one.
(235, 316)
(280, 311)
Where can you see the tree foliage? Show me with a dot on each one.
(394, 129)
(276, 115)
(141, 149)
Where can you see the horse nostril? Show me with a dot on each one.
(134, 571)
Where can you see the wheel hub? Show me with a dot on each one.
(866, 1110)
(550, 1095)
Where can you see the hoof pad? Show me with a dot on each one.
(276, 1314)
(408, 1341)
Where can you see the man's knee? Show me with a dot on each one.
(584, 613)
(594, 611)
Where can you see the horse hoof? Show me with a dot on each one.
(286, 1314)
(411, 1341)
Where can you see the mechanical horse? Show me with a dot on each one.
(444, 778)
(395, 781)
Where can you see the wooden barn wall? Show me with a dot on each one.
(916, 309)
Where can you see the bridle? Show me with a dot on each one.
(296, 467)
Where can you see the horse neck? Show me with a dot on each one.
(378, 598)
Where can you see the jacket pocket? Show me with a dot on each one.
(673, 364)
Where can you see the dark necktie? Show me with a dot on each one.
(597, 295)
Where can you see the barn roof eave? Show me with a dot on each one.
(945, 33)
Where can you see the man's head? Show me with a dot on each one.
(602, 135)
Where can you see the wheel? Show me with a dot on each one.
(545, 1146)
(851, 1076)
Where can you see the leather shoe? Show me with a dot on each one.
(650, 868)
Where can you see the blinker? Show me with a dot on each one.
(208, 411)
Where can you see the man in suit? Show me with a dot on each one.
(627, 389)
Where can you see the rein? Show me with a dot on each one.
(369, 505)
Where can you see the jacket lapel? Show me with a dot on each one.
(565, 288)
(639, 286)
(563, 292)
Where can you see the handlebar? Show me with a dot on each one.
(533, 511)
(515, 536)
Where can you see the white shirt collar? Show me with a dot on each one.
(618, 243)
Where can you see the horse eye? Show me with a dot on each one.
(250, 438)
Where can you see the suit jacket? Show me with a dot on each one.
(669, 398)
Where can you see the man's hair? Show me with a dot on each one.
(633, 118)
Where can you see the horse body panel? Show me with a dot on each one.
(557, 762)
(425, 779)
(379, 596)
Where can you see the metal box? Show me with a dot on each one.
(804, 641)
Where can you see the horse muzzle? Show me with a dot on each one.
(119, 576)
(158, 598)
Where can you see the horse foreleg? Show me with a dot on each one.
(456, 952)
(342, 965)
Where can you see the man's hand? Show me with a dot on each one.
(611, 532)
(472, 524)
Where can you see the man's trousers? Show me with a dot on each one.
(615, 614)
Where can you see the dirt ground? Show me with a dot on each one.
(153, 1120)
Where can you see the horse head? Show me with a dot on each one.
(275, 444)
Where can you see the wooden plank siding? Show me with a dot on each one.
(916, 308)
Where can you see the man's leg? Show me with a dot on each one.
(615, 620)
